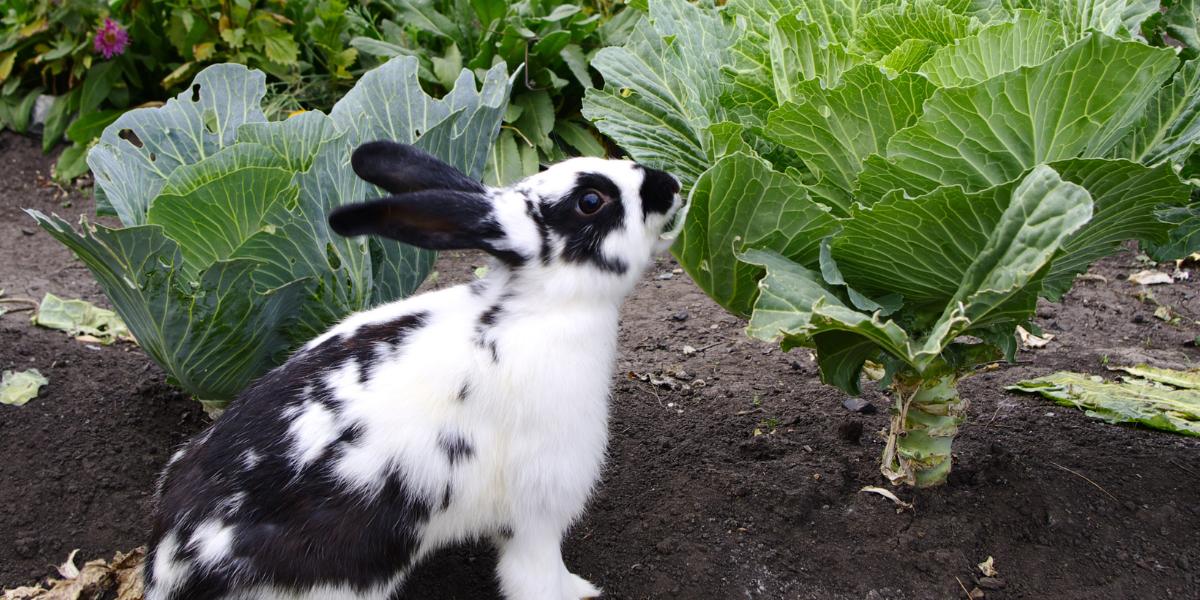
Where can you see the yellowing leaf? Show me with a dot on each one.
(1150, 278)
(17, 388)
(204, 50)
(6, 63)
(1151, 402)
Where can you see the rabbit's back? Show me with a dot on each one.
(299, 485)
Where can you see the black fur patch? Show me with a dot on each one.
(455, 447)
(368, 344)
(464, 392)
(401, 168)
(292, 529)
(584, 234)
(543, 232)
(431, 219)
(658, 191)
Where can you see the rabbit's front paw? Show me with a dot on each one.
(580, 588)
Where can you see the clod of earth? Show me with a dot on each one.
(20, 387)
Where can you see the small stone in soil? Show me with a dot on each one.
(680, 316)
(858, 405)
(27, 231)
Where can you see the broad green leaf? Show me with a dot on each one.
(838, 19)
(1184, 237)
(799, 53)
(504, 161)
(89, 126)
(795, 305)
(71, 163)
(212, 207)
(1182, 22)
(832, 131)
(580, 138)
(1141, 401)
(1079, 103)
(661, 88)
(908, 56)
(890, 25)
(424, 15)
(1126, 196)
(61, 111)
(1170, 128)
(741, 203)
(212, 337)
(295, 140)
(1002, 284)
(537, 118)
(19, 387)
(97, 85)
(936, 238)
(195, 124)
(1029, 39)
(78, 317)
(1079, 17)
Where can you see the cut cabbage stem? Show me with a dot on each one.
(925, 419)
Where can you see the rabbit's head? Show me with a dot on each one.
(584, 225)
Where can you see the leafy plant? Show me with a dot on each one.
(551, 43)
(224, 262)
(898, 182)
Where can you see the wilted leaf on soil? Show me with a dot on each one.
(1181, 379)
(1150, 278)
(120, 579)
(988, 567)
(79, 317)
(20, 387)
(1159, 399)
(1030, 340)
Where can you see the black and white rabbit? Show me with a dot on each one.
(477, 411)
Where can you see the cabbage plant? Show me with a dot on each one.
(897, 182)
(224, 261)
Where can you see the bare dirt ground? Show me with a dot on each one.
(693, 505)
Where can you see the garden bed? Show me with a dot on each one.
(693, 504)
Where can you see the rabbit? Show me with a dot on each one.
(470, 412)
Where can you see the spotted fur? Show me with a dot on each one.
(478, 411)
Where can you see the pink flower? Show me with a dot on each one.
(111, 39)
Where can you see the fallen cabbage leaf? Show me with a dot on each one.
(81, 318)
(1157, 398)
(120, 579)
(19, 387)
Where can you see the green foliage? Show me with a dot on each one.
(47, 47)
(958, 159)
(224, 262)
(551, 43)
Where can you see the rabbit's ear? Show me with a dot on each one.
(401, 168)
(431, 219)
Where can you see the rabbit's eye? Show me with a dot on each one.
(590, 202)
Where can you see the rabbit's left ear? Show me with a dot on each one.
(402, 168)
(431, 219)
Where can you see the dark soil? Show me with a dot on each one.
(694, 504)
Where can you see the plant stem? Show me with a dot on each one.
(925, 419)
